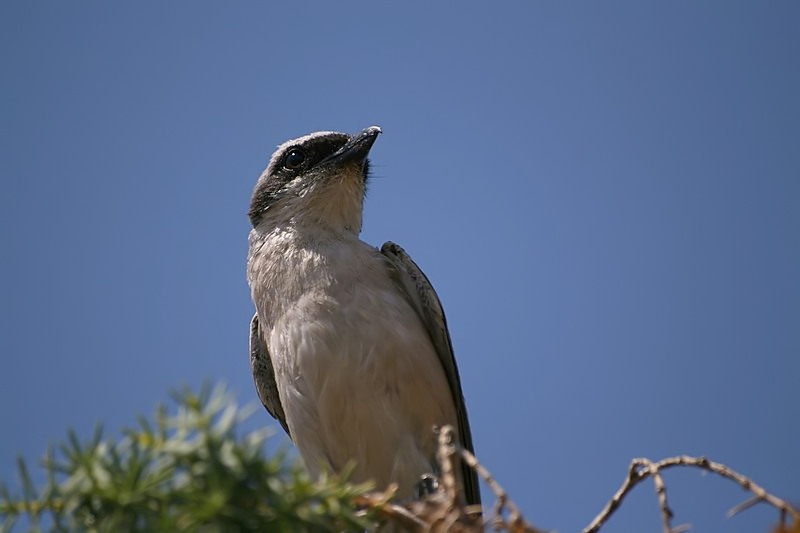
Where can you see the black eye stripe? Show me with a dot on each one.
(296, 162)
(310, 153)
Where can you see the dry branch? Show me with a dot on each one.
(640, 469)
(443, 511)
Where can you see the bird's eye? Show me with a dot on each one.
(294, 159)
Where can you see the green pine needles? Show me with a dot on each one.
(188, 471)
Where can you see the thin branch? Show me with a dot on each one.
(516, 521)
(390, 511)
(445, 454)
(444, 511)
(631, 480)
(661, 492)
(747, 504)
(641, 469)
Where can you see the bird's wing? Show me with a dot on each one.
(264, 375)
(415, 285)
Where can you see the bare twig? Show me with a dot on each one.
(516, 521)
(747, 504)
(641, 469)
(447, 449)
(390, 511)
(443, 511)
(661, 492)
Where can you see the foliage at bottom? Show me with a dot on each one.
(189, 470)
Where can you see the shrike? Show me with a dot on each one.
(349, 345)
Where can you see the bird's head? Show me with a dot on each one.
(318, 180)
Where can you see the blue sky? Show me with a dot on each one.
(606, 197)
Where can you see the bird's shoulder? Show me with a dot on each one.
(409, 277)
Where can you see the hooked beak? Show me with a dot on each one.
(356, 149)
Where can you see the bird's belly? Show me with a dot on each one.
(360, 381)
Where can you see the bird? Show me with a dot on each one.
(349, 346)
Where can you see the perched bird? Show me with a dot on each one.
(349, 345)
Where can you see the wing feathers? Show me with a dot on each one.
(264, 375)
(416, 286)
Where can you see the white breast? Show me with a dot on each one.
(358, 376)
